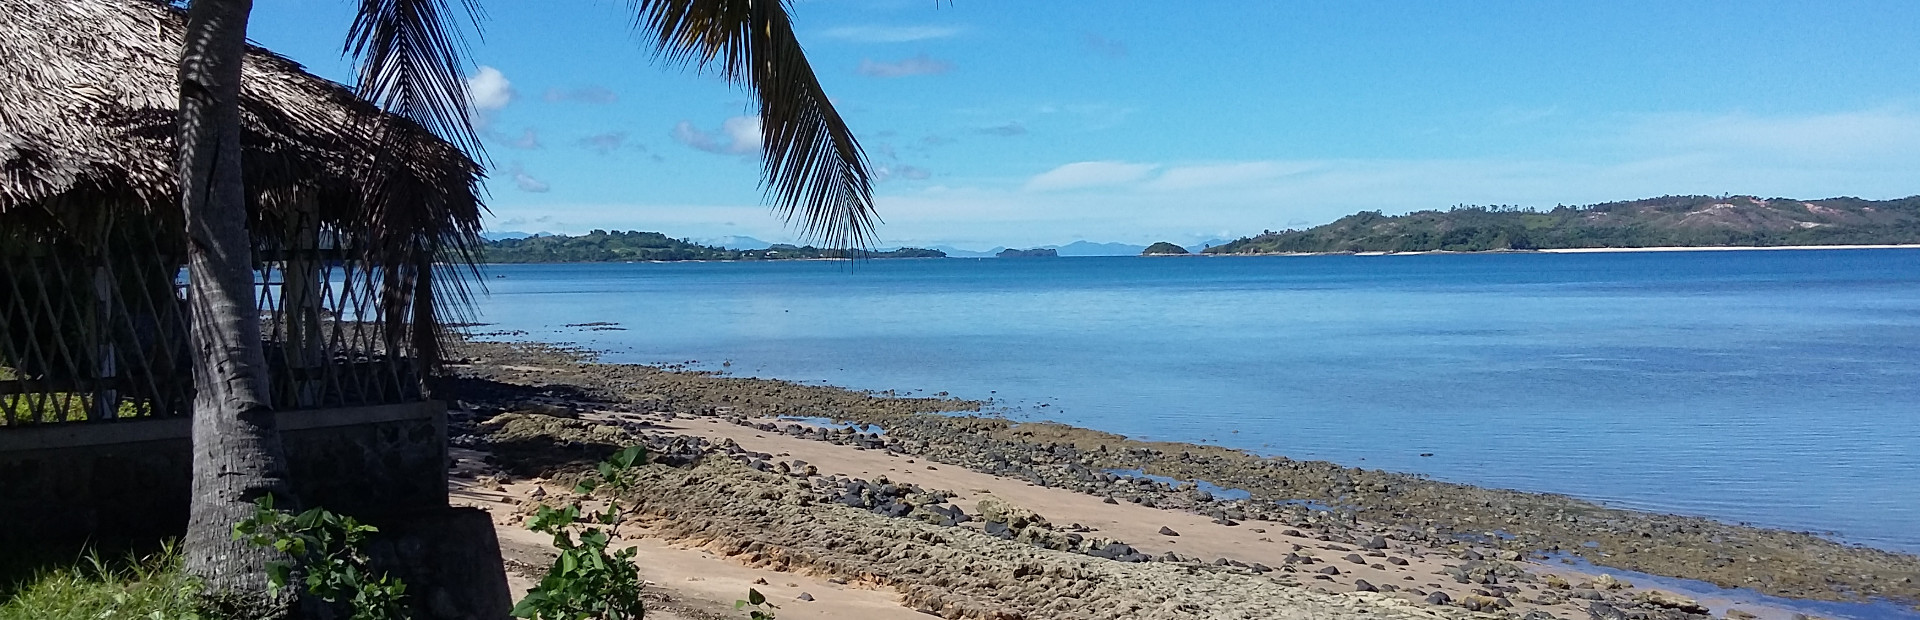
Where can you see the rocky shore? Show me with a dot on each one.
(1382, 519)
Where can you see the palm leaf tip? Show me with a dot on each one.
(816, 174)
(410, 55)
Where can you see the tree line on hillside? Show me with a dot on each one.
(601, 246)
(1667, 221)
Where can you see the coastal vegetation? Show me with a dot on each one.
(1164, 249)
(603, 246)
(1667, 221)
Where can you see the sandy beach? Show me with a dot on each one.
(858, 522)
(1710, 248)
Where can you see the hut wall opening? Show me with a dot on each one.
(93, 317)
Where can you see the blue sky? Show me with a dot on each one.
(1025, 123)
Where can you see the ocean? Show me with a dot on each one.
(1776, 388)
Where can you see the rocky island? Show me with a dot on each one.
(1667, 221)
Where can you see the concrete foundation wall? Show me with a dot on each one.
(130, 481)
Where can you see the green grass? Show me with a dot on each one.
(151, 587)
(58, 406)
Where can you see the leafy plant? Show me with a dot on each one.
(586, 581)
(137, 588)
(762, 610)
(327, 548)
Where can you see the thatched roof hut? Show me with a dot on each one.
(362, 220)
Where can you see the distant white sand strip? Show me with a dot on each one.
(1733, 247)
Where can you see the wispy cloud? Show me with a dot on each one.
(1006, 131)
(489, 89)
(604, 143)
(527, 140)
(525, 182)
(890, 34)
(886, 173)
(917, 65)
(1875, 134)
(739, 135)
(1227, 174)
(1104, 46)
(591, 93)
(1086, 174)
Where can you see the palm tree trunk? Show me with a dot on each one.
(237, 456)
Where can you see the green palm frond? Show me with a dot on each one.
(815, 170)
(410, 54)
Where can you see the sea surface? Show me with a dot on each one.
(1778, 388)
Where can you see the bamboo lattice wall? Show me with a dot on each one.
(93, 319)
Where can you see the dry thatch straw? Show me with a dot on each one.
(88, 100)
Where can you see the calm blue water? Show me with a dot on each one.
(1779, 388)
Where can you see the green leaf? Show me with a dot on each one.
(755, 597)
(278, 573)
(529, 607)
(627, 457)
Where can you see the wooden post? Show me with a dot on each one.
(300, 292)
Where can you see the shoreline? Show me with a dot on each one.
(1203, 254)
(1696, 248)
(1773, 562)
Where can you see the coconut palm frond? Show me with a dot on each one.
(816, 172)
(410, 54)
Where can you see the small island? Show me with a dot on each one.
(1163, 248)
(602, 246)
(1033, 253)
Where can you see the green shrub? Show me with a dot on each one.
(587, 582)
(327, 548)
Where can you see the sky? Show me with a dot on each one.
(1003, 123)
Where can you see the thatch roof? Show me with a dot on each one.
(88, 99)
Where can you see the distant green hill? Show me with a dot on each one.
(1667, 221)
(601, 246)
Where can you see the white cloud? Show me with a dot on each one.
(917, 65)
(525, 182)
(488, 89)
(739, 135)
(1087, 174)
(890, 34)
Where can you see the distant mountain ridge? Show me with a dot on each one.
(1667, 221)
